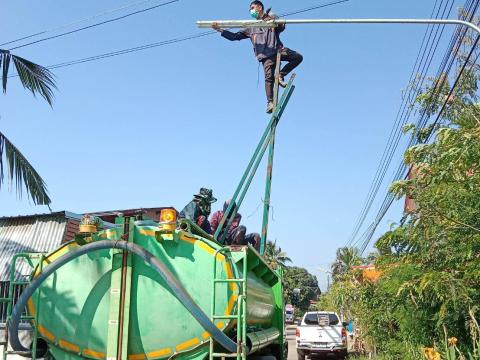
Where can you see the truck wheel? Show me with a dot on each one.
(280, 352)
(262, 357)
(300, 355)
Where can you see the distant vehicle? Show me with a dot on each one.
(321, 333)
(289, 314)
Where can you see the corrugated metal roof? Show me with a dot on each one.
(65, 213)
(29, 234)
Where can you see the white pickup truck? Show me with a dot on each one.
(321, 333)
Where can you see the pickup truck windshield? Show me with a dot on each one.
(312, 319)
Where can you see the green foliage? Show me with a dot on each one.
(274, 256)
(293, 278)
(39, 80)
(21, 173)
(34, 77)
(300, 278)
(345, 259)
(430, 263)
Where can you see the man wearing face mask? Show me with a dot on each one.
(199, 209)
(266, 43)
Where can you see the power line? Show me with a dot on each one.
(445, 68)
(395, 133)
(393, 137)
(388, 200)
(312, 8)
(130, 50)
(94, 25)
(156, 44)
(93, 17)
(453, 88)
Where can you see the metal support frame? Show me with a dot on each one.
(271, 152)
(28, 257)
(247, 177)
(120, 286)
(240, 316)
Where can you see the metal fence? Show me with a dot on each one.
(17, 290)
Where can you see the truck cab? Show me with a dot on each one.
(321, 333)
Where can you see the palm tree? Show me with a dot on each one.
(39, 80)
(345, 259)
(274, 256)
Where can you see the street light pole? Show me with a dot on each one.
(231, 24)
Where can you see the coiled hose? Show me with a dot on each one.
(178, 290)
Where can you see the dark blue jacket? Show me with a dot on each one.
(266, 41)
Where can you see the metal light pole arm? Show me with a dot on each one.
(231, 24)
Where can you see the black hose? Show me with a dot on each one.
(178, 290)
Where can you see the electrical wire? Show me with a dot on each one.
(153, 45)
(130, 50)
(445, 68)
(392, 141)
(388, 200)
(103, 13)
(395, 134)
(94, 25)
(312, 8)
(402, 169)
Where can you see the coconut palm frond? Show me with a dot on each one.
(21, 173)
(34, 77)
(274, 255)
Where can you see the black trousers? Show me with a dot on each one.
(293, 60)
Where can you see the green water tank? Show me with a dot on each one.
(78, 310)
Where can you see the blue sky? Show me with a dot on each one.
(150, 128)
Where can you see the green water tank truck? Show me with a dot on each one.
(144, 290)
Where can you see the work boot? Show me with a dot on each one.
(270, 107)
(282, 82)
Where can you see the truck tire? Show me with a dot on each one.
(300, 355)
(279, 351)
(262, 357)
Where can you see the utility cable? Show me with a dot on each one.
(151, 45)
(130, 50)
(93, 17)
(395, 133)
(94, 25)
(386, 156)
(312, 8)
(388, 200)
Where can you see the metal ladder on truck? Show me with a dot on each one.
(32, 259)
(267, 140)
(241, 308)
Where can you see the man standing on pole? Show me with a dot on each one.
(266, 43)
